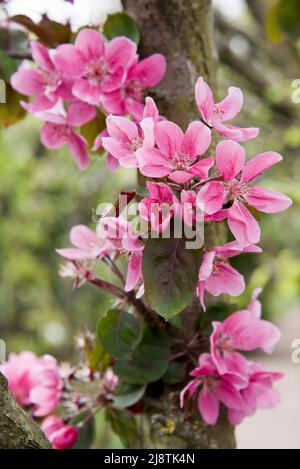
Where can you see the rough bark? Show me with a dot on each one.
(183, 32)
(17, 429)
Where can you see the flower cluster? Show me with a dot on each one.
(34, 381)
(193, 187)
(69, 84)
(225, 376)
(191, 182)
(41, 385)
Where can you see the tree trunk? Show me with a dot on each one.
(182, 30)
(17, 429)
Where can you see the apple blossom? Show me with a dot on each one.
(215, 114)
(177, 154)
(44, 82)
(34, 381)
(216, 275)
(234, 186)
(60, 434)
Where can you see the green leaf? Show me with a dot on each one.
(50, 33)
(86, 435)
(121, 24)
(148, 362)
(92, 129)
(79, 418)
(97, 358)
(170, 272)
(128, 394)
(123, 424)
(119, 332)
(11, 112)
(175, 373)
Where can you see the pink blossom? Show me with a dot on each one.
(212, 389)
(129, 98)
(34, 381)
(160, 207)
(112, 162)
(96, 68)
(241, 331)
(59, 130)
(236, 187)
(143, 74)
(177, 155)
(258, 394)
(109, 382)
(120, 233)
(60, 434)
(217, 276)
(123, 138)
(215, 114)
(44, 83)
(88, 246)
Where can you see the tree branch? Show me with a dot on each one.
(17, 429)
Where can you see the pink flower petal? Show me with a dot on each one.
(121, 128)
(90, 43)
(266, 200)
(248, 333)
(255, 305)
(204, 99)
(113, 103)
(52, 136)
(78, 148)
(114, 81)
(201, 168)
(151, 110)
(69, 61)
(231, 105)
(209, 406)
(160, 192)
(74, 254)
(41, 56)
(212, 197)
(207, 265)
(169, 138)
(79, 113)
(229, 131)
(117, 149)
(243, 225)
(196, 139)
(225, 280)
(28, 81)
(230, 159)
(181, 177)
(258, 164)
(152, 163)
(229, 396)
(134, 271)
(87, 92)
(242, 134)
(150, 71)
(83, 237)
(120, 52)
(135, 108)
